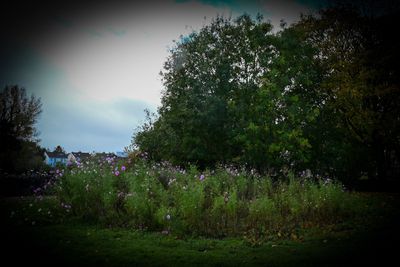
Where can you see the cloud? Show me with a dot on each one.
(63, 22)
(96, 67)
(21, 65)
(99, 126)
(118, 33)
(272, 10)
(68, 118)
(101, 66)
(288, 11)
(238, 6)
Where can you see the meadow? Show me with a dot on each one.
(106, 212)
(224, 202)
(252, 157)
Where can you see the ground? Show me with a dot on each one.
(57, 240)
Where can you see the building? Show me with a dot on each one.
(54, 158)
(78, 156)
(120, 154)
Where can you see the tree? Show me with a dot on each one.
(59, 149)
(285, 105)
(360, 62)
(321, 94)
(230, 96)
(18, 115)
(205, 73)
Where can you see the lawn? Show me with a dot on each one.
(36, 232)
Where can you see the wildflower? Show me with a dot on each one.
(123, 168)
(116, 173)
(171, 181)
(226, 197)
(168, 217)
(202, 177)
(165, 232)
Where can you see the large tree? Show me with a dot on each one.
(235, 92)
(360, 61)
(321, 94)
(206, 73)
(18, 115)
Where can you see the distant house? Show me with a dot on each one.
(78, 156)
(120, 154)
(104, 155)
(54, 158)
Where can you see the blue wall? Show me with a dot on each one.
(53, 161)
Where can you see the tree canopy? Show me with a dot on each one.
(321, 94)
(59, 149)
(361, 81)
(18, 115)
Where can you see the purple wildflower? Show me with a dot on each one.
(123, 168)
(116, 173)
(202, 177)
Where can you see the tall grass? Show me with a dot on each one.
(223, 202)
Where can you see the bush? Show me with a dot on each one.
(218, 203)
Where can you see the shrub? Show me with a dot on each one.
(214, 203)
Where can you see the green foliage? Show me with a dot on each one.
(19, 150)
(224, 202)
(18, 113)
(321, 94)
(29, 156)
(357, 57)
(262, 213)
(230, 97)
(59, 149)
(41, 227)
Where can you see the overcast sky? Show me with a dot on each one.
(96, 66)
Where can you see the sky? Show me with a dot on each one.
(95, 66)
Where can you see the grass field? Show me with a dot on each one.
(35, 234)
